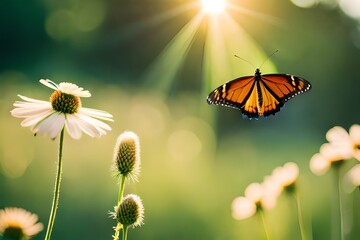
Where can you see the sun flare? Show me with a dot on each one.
(213, 6)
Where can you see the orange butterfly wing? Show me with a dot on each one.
(259, 95)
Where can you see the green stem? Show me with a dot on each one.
(341, 209)
(356, 215)
(264, 224)
(337, 221)
(56, 189)
(121, 189)
(125, 232)
(121, 193)
(299, 214)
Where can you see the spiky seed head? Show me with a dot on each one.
(130, 212)
(126, 160)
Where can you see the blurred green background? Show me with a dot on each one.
(151, 63)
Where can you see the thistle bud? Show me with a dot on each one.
(126, 161)
(130, 212)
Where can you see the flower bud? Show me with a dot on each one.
(130, 212)
(126, 161)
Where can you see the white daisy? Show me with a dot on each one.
(263, 194)
(257, 196)
(286, 175)
(17, 223)
(353, 176)
(349, 142)
(330, 154)
(354, 133)
(63, 110)
(319, 164)
(242, 208)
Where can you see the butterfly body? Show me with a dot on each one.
(258, 95)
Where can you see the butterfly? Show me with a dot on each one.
(259, 95)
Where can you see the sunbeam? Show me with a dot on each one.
(169, 61)
(224, 38)
(256, 15)
(222, 43)
(130, 31)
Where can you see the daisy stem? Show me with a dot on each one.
(262, 215)
(56, 189)
(341, 209)
(299, 214)
(337, 220)
(356, 215)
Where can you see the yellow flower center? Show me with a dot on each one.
(65, 103)
(13, 232)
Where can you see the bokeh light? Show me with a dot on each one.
(184, 145)
(71, 22)
(351, 8)
(305, 3)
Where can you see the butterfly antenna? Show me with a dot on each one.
(245, 60)
(269, 57)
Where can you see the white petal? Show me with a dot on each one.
(292, 173)
(49, 84)
(19, 104)
(254, 192)
(33, 111)
(86, 127)
(24, 112)
(32, 120)
(354, 175)
(85, 93)
(73, 89)
(335, 152)
(242, 208)
(72, 126)
(32, 99)
(356, 154)
(82, 122)
(269, 201)
(51, 126)
(89, 129)
(97, 114)
(271, 186)
(355, 133)
(93, 121)
(319, 164)
(337, 135)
